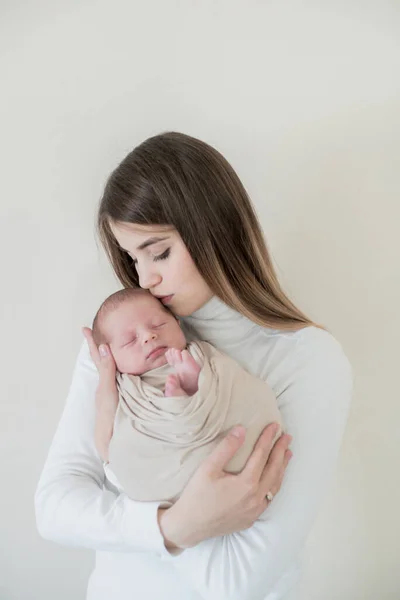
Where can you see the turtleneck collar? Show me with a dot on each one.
(218, 324)
(230, 332)
(212, 309)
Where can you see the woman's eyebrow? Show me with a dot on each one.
(147, 243)
(151, 241)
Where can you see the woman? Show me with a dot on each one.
(176, 220)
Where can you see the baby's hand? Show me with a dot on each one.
(187, 371)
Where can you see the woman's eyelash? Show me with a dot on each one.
(164, 255)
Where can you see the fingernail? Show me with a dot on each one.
(237, 431)
(275, 428)
(103, 350)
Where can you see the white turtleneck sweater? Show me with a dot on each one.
(77, 505)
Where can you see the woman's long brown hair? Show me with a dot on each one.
(175, 180)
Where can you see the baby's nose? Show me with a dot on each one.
(151, 335)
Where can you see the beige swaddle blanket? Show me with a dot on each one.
(158, 442)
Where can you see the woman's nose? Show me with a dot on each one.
(148, 279)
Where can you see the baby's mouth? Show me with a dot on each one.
(157, 351)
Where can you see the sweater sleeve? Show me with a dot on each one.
(72, 506)
(314, 405)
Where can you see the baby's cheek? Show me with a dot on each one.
(125, 362)
(119, 361)
(173, 337)
(182, 341)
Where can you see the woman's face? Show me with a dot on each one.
(164, 266)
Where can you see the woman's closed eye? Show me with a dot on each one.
(161, 256)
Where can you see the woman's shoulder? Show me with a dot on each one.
(317, 380)
(307, 355)
(319, 352)
(308, 341)
(311, 340)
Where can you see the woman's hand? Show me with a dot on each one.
(106, 394)
(216, 503)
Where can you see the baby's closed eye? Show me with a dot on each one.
(132, 341)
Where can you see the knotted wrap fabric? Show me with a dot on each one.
(158, 442)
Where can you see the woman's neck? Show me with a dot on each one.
(209, 310)
(217, 323)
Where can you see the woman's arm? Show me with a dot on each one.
(71, 505)
(314, 407)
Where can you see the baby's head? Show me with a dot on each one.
(138, 329)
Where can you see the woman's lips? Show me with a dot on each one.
(157, 352)
(166, 299)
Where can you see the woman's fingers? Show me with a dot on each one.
(107, 366)
(287, 457)
(274, 470)
(257, 459)
(224, 451)
(276, 485)
(107, 393)
(94, 352)
(102, 358)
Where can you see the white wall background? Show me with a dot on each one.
(304, 99)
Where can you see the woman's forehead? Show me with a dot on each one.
(135, 231)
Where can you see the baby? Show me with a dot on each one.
(176, 399)
(134, 313)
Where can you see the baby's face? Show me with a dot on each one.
(140, 331)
